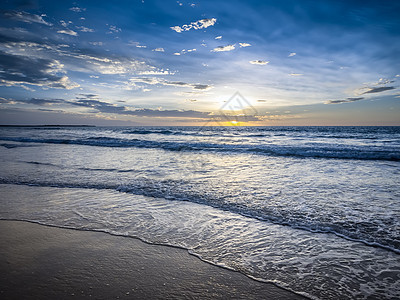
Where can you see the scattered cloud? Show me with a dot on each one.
(378, 89)
(347, 100)
(114, 29)
(224, 48)
(136, 44)
(65, 24)
(68, 32)
(292, 54)
(96, 43)
(184, 51)
(159, 50)
(152, 72)
(25, 17)
(218, 37)
(77, 9)
(200, 24)
(84, 29)
(244, 45)
(258, 62)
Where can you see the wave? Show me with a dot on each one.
(301, 151)
(364, 232)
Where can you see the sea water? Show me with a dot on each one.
(312, 209)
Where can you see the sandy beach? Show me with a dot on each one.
(42, 262)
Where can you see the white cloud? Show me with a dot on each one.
(65, 24)
(159, 50)
(296, 74)
(184, 51)
(85, 29)
(218, 37)
(292, 54)
(68, 31)
(77, 9)
(96, 43)
(258, 62)
(136, 44)
(114, 29)
(244, 44)
(224, 48)
(152, 72)
(200, 24)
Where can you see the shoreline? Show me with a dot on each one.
(46, 262)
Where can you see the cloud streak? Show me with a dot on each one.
(25, 17)
(348, 100)
(68, 32)
(159, 81)
(379, 89)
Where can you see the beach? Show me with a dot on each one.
(311, 210)
(42, 262)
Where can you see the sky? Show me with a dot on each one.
(162, 62)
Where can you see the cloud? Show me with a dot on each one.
(184, 51)
(224, 48)
(25, 17)
(296, 74)
(378, 89)
(136, 44)
(258, 62)
(159, 50)
(77, 9)
(85, 29)
(159, 81)
(68, 31)
(292, 54)
(114, 29)
(200, 24)
(17, 69)
(347, 100)
(218, 37)
(87, 101)
(65, 24)
(244, 45)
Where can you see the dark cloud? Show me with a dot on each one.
(105, 107)
(18, 69)
(24, 17)
(152, 80)
(379, 89)
(43, 102)
(347, 100)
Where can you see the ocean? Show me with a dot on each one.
(315, 210)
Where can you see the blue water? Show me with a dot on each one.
(312, 209)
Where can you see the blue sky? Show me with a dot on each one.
(178, 62)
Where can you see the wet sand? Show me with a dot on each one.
(42, 262)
